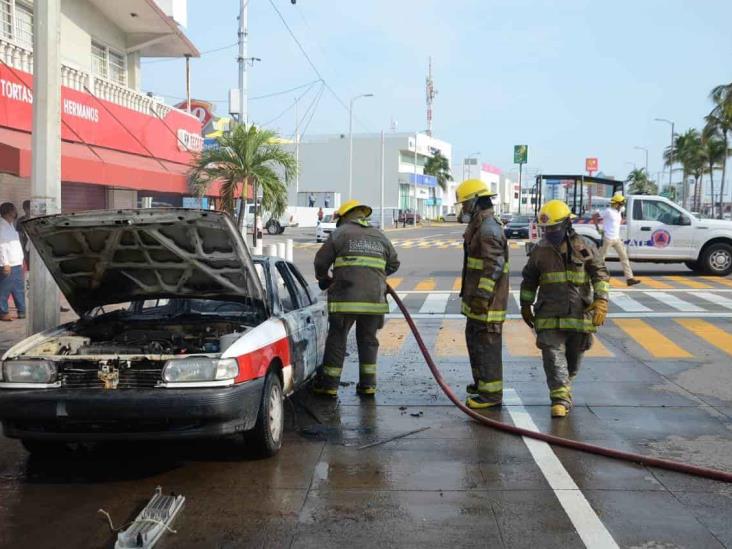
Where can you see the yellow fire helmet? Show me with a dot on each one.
(351, 205)
(471, 188)
(617, 198)
(553, 212)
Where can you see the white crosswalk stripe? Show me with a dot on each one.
(672, 301)
(393, 307)
(627, 303)
(716, 299)
(435, 304)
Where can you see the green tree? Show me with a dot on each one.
(687, 151)
(713, 151)
(439, 166)
(720, 120)
(246, 158)
(639, 183)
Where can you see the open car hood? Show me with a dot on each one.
(112, 256)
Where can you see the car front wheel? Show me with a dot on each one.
(273, 227)
(717, 259)
(270, 427)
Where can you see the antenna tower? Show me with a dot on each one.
(431, 92)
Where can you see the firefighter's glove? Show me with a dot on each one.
(324, 283)
(599, 311)
(527, 314)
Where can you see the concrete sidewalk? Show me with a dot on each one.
(16, 330)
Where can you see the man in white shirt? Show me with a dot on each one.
(11, 263)
(612, 218)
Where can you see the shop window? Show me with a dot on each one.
(16, 21)
(108, 63)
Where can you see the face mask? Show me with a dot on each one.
(622, 209)
(468, 206)
(555, 238)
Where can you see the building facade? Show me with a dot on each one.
(324, 173)
(118, 144)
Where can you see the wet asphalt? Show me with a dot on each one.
(454, 483)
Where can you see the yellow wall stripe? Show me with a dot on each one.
(686, 281)
(451, 339)
(653, 341)
(393, 335)
(708, 332)
(427, 284)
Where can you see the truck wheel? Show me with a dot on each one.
(693, 265)
(717, 259)
(267, 433)
(282, 230)
(273, 227)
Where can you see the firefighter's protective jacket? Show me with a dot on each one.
(566, 278)
(361, 257)
(485, 270)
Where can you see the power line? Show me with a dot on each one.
(265, 96)
(307, 57)
(291, 105)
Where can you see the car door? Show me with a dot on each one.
(316, 319)
(299, 323)
(660, 230)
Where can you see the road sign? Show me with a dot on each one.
(591, 165)
(520, 154)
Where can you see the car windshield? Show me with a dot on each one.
(518, 220)
(328, 219)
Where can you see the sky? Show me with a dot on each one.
(569, 78)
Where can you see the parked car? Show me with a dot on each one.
(410, 216)
(506, 218)
(324, 228)
(451, 217)
(181, 334)
(271, 224)
(518, 227)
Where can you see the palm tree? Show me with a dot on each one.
(720, 120)
(713, 151)
(687, 151)
(246, 158)
(439, 166)
(639, 183)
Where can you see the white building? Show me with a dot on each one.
(324, 172)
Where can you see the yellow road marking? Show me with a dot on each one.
(653, 283)
(719, 280)
(451, 339)
(395, 281)
(457, 284)
(617, 283)
(426, 285)
(653, 341)
(690, 282)
(598, 349)
(393, 335)
(519, 339)
(708, 332)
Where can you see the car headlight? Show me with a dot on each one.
(28, 371)
(200, 368)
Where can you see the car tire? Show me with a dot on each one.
(42, 448)
(716, 259)
(693, 265)
(273, 227)
(268, 432)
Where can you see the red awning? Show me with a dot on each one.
(89, 164)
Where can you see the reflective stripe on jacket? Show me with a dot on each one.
(566, 279)
(485, 270)
(361, 257)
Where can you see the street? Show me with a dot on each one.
(657, 381)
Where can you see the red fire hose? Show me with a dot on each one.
(552, 439)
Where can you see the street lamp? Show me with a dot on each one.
(350, 142)
(646, 151)
(671, 150)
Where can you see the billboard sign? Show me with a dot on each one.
(520, 154)
(591, 165)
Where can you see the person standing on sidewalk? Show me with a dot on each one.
(361, 257)
(612, 218)
(572, 301)
(11, 262)
(484, 293)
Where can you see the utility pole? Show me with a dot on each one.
(646, 151)
(381, 166)
(243, 39)
(671, 152)
(188, 83)
(45, 154)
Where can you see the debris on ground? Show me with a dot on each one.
(378, 442)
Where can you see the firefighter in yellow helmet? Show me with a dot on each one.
(572, 282)
(484, 293)
(361, 257)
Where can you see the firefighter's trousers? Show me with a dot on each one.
(562, 353)
(484, 342)
(339, 326)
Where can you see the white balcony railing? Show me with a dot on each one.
(21, 58)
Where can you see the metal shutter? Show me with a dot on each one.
(78, 197)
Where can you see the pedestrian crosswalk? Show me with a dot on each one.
(422, 243)
(654, 339)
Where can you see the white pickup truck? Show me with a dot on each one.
(271, 224)
(657, 230)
